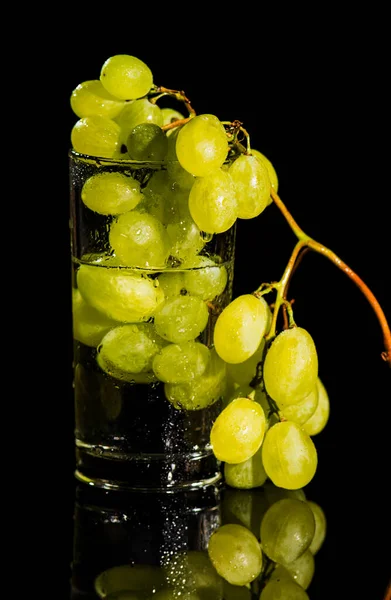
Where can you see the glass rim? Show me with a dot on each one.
(128, 162)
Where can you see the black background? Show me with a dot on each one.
(316, 102)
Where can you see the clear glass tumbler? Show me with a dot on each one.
(141, 421)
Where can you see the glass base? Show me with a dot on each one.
(102, 467)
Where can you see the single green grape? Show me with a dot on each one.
(318, 421)
(283, 589)
(235, 554)
(202, 145)
(170, 116)
(246, 475)
(90, 99)
(135, 113)
(213, 203)
(274, 493)
(181, 319)
(185, 236)
(96, 136)
(244, 507)
(111, 193)
(192, 573)
(320, 527)
(291, 366)
(243, 373)
(202, 391)
(240, 328)
(129, 349)
(181, 363)
(238, 431)
(120, 295)
(302, 569)
(89, 325)
(300, 413)
(139, 239)
(171, 283)
(126, 77)
(289, 455)
(179, 177)
(147, 141)
(252, 185)
(287, 530)
(270, 169)
(136, 578)
(158, 197)
(204, 277)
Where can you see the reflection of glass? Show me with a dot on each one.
(134, 425)
(139, 545)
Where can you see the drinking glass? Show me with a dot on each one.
(133, 428)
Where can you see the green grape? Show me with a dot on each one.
(158, 197)
(246, 475)
(300, 413)
(111, 193)
(283, 589)
(244, 507)
(235, 554)
(291, 366)
(302, 569)
(89, 325)
(170, 115)
(90, 99)
(126, 77)
(202, 145)
(204, 278)
(118, 294)
(202, 391)
(128, 349)
(181, 319)
(180, 178)
(135, 113)
(136, 578)
(147, 141)
(139, 239)
(192, 572)
(181, 363)
(320, 527)
(236, 592)
(213, 203)
(317, 422)
(270, 169)
(243, 373)
(287, 530)
(185, 237)
(252, 184)
(96, 136)
(289, 455)
(274, 493)
(238, 431)
(171, 283)
(240, 328)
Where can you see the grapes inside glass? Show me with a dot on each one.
(147, 288)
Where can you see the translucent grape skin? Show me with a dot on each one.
(300, 413)
(139, 240)
(126, 77)
(302, 569)
(287, 530)
(246, 475)
(320, 527)
(213, 203)
(205, 278)
(146, 579)
(111, 193)
(252, 185)
(289, 455)
(147, 141)
(181, 363)
(318, 421)
(235, 554)
(283, 589)
(96, 136)
(240, 328)
(89, 325)
(136, 113)
(291, 366)
(270, 169)
(202, 145)
(90, 99)
(243, 373)
(238, 431)
(181, 319)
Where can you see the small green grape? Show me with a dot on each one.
(126, 77)
(235, 554)
(202, 145)
(90, 99)
(283, 589)
(139, 239)
(147, 141)
(181, 363)
(318, 421)
(238, 431)
(111, 193)
(252, 185)
(291, 366)
(240, 328)
(185, 236)
(171, 283)
(96, 136)
(270, 169)
(287, 530)
(243, 373)
(300, 413)
(170, 115)
(302, 569)
(136, 578)
(213, 202)
(205, 278)
(181, 319)
(320, 527)
(89, 325)
(246, 475)
(289, 455)
(135, 113)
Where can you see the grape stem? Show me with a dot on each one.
(305, 241)
(178, 95)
